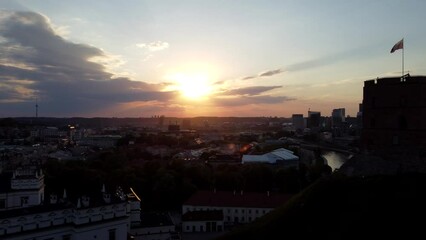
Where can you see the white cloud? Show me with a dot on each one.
(154, 46)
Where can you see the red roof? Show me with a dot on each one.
(239, 199)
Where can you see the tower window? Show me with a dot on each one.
(402, 121)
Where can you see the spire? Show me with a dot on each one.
(79, 203)
(103, 188)
(65, 194)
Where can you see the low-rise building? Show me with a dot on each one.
(25, 214)
(211, 211)
(279, 156)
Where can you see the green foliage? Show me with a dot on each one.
(165, 184)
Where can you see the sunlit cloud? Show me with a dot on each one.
(270, 73)
(154, 46)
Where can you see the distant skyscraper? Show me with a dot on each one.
(359, 116)
(314, 119)
(394, 112)
(298, 121)
(337, 117)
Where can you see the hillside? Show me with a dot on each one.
(341, 207)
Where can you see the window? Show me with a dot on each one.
(257, 211)
(111, 234)
(66, 237)
(2, 203)
(236, 210)
(201, 228)
(24, 201)
(187, 228)
(229, 210)
(249, 210)
(242, 210)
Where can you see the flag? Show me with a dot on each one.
(398, 45)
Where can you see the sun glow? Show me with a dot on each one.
(193, 86)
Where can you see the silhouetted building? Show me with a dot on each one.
(337, 117)
(359, 116)
(212, 211)
(314, 119)
(298, 122)
(394, 112)
(186, 123)
(173, 128)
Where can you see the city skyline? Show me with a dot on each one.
(209, 58)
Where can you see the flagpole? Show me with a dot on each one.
(403, 58)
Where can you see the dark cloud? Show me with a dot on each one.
(270, 73)
(249, 100)
(249, 77)
(35, 61)
(248, 96)
(264, 74)
(256, 90)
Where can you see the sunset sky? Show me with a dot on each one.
(201, 58)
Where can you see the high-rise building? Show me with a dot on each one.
(337, 117)
(394, 112)
(314, 119)
(298, 122)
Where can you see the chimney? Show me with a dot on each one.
(79, 203)
(103, 188)
(65, 194)
(53, 199)
(214, 190)
(267, 193)
(85, 200)
(107, 197)
(234, 192)
(241, 192)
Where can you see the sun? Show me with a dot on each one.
(193, 86)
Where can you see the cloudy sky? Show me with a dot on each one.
(189, 58)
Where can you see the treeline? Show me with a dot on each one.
(167, 184)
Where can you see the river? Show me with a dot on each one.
(334, 159)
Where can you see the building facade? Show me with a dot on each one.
(394, 113)
(25, 214)
(211, 211)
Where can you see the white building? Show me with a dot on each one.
(25, 215)
(278, 156)
(213, 211)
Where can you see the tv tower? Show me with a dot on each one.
(36, 108)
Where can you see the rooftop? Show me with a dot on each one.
(237, 199)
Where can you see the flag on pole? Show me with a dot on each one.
(398, 45)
